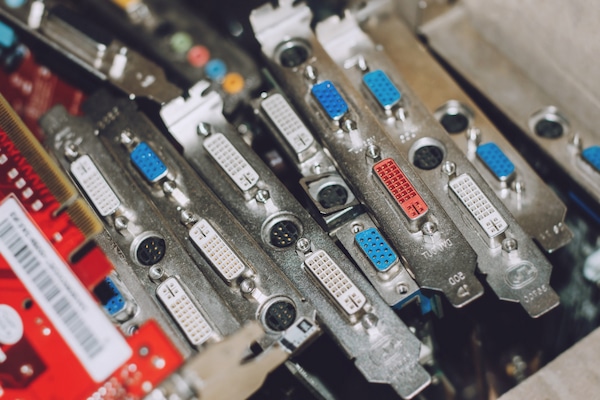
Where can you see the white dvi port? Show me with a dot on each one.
(217, 251)
(335, 281)
(478, 205)
(232, 162)
(95, 186)
(184, 311)
(287, 122)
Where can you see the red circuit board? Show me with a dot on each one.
(32, 89)
(55, 340)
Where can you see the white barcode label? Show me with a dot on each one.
(287, 122)
(480, 207)
(232, 162)
(95, 186)
(79, 320)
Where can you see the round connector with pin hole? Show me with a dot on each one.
(332, 196)
(284, 234)
(454, 116)
(549, 129)
(454, 123)
(293, 53)
(150, 250)
(280, 315)
(428, 157)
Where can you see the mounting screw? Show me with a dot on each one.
(310, 73)
(369, 321)
(247, 286)
(169, 187)
(262, 196)
(373, 151)
(71, 151)
(303, 245)
(402, 288)
(121, 223)
(449, 168)
(357, 227)
(203, 129)
(187, 217)
(156, 273)
(509, 245)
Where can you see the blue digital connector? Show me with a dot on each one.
(496, 161)
(330, 100)
(382, 88)
(376, 248)
(110, 297)
(592, 156)
(148, 162)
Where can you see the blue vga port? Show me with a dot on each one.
(330, 99)
(110, 296)
(496, 161)
(382, 88)
(148, 162)
(376, 248)
(591, 155)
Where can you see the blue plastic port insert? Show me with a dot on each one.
(109, 295)
(215, 69)
(330, 100)
(148, 162)
(7, 36)
(376, 248)
(496, 161)
(592, 156)
(382, 88)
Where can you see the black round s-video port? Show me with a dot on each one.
(150, 250)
